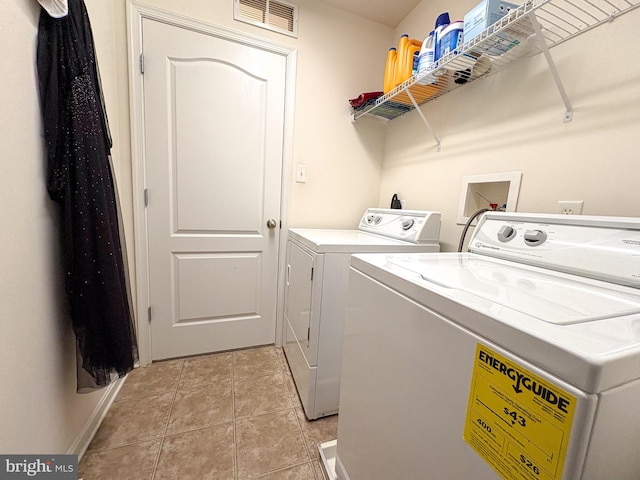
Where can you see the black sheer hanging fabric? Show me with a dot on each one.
(80, 180)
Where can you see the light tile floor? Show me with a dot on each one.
(226, 416)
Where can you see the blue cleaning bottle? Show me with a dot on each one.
(441, 22)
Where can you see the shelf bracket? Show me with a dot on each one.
(417, 107)
(568, 115)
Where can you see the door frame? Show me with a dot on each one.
(136, 13)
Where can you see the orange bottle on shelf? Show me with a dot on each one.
(403, 51)
(406, 48)
(414, 46)
(390, 70)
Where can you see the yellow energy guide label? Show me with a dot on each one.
(518, 422)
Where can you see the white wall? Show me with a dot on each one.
(513, 121)
(39, 409)
(339, 57)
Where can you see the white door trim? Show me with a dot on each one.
(136, 12)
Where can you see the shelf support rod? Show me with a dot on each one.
(415, 104)
(568, 115)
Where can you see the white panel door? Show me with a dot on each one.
(214, 118)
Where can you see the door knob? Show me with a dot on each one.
(271, 223)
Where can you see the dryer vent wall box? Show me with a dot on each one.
(527, 348)
(316, 285)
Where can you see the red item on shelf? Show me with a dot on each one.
(363, 98)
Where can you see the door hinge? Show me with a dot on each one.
(146, 197)
(280, 224)
(312, 274)
(149, 314)
(142, 63)
(308, 335)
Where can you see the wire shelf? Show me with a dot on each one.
(557, 21)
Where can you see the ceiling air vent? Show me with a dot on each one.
(278, 16)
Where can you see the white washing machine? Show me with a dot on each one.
(317, 274)
(517, 360)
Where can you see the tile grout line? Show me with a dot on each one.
(281, 375)
(279, 371)
(293, 397)
(236, 471)
(132, 442)
(304, 439)
(126, 444)
(166, 426)
(284, 368)
(284, 469)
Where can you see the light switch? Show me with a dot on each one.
(301, 173)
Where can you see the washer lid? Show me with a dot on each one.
(546, 295)
(582, 330)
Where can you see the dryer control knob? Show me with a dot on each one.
(407, 223)
(533, 238)
(506, 233)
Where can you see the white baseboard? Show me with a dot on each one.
(341, 472)
(82, 441)
(328, 458)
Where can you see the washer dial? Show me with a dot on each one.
(506, 233)
(533, 238)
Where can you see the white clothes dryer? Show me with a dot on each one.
(317, 273)
(517, 360)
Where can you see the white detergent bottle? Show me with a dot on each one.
(425, 61)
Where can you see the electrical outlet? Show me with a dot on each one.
(570, 207)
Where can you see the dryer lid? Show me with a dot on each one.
(351, 241)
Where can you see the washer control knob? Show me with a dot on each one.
(370, 219)
(533, 238)
(377, 219)
(407, 223)
(506, 233)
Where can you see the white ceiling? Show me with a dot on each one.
(386, 12)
